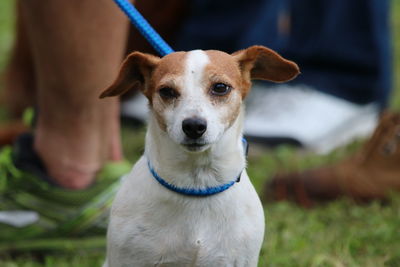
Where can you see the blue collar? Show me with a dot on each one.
(208, 191)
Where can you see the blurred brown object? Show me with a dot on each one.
(368, 175)
(10, 131)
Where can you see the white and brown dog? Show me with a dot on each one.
(182, 204)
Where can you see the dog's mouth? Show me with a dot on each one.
(195, 146)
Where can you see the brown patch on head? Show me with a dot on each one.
(168, 73)
(223, 68)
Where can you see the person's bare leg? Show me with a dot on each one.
(19, 81)
(77, 48)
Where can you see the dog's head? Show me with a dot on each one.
(196, 96)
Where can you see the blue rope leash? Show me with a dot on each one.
(144, 27)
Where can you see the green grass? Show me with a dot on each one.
(338, 234)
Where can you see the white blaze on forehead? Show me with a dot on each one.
(196, 61)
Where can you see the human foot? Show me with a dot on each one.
(75, 150)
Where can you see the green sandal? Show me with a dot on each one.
(38, 215)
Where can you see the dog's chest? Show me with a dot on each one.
(179, 239)
(193, 235)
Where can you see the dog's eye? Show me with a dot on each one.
(220, 89)
(168, 92)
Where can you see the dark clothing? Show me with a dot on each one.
(342, 47)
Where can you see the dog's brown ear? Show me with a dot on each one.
(134, 74)
(261, 63)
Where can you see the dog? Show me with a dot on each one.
(188, 201)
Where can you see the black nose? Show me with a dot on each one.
(194, 127)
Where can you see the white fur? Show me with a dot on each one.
(153, 226)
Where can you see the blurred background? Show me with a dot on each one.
(340, 233)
